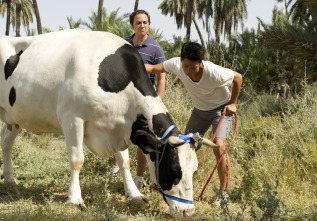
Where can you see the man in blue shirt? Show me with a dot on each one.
(151, 53)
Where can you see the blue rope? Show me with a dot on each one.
(176, 198)
(167, 131)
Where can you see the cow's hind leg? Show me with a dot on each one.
(74, 133)
(122, 158)
(8, 134)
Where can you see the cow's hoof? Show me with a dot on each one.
(10, 181)
(139, 203)
(140, 199)
(81, 207)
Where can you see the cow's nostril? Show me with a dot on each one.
(188, 212)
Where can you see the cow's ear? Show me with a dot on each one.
(147, 142)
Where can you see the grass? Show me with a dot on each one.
(274, 164)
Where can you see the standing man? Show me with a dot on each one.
(207, 84)
(151, 53)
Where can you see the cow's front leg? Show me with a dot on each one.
(74, 133)
(8, 134)
(131, 190)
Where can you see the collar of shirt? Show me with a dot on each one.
(143, 44)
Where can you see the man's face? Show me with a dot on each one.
(190, 67)
(140, 25)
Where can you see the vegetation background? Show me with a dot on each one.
(274, 155)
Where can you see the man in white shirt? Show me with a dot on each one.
(207, 84)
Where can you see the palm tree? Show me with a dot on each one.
(6, 8)
(37, 16)
(136, 5)
(110, 23)
(295, 39)
(24, 10)
(177, 7)
(156, 34)
(18, 9)
(100, 6)
(205, 12)
(298, 38)
(227, 15)
(185, 12)
(72, 24)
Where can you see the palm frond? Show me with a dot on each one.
(294, 39)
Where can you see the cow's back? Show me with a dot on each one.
(54, 72)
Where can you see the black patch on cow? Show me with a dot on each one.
(161, 122)
(117, 70)
(11, 64)
(170, 172)
(142, 136)
(12, 96)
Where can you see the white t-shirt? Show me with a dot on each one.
(211, 91)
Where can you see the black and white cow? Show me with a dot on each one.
(93, 87)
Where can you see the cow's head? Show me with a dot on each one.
(172, 160)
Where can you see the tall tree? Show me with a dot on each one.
(72, 24)
(177, 8)
(18, 8)
(23, 14)
(110, 23)
(8, 20)
(227, 15)
(100, 6)
(185, 11)
(296, 38)
(299, 38)
(37, 16)
(136, 5)
(205, 12)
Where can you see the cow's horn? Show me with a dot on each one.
(209, 143)
(173, 141)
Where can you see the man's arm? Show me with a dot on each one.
(160, 87)
(154, 69)
(236, 86)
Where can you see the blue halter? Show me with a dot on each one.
(180, 138)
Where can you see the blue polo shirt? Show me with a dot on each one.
(150, 51)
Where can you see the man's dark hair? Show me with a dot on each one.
(133, 14)
(192, 51)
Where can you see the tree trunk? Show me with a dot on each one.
(201, 38)
(136, 5)
(18, 19)
(100, 6)
(37, 16)
(218, 31)
(8, 17)
(188, 33)
(188, 18)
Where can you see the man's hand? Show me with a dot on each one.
(230, 109)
